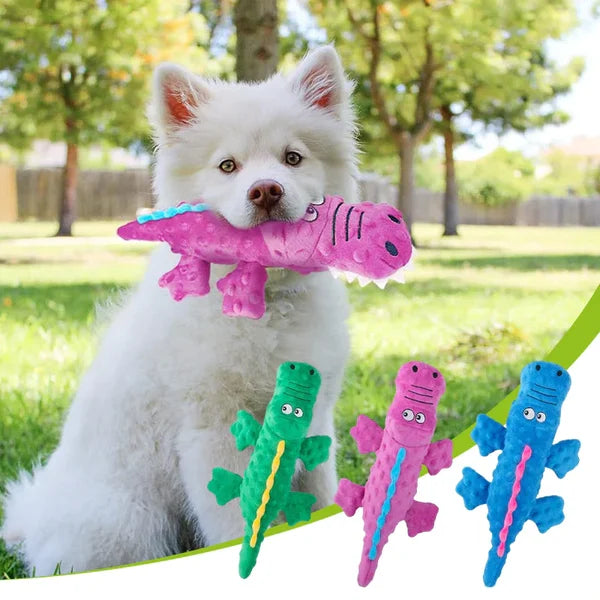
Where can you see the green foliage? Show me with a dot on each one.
(498, 178)
(568, 174)
(78, 70)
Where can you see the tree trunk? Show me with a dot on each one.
(406, 188)
(69, 197)
(257, 47)
(451, 191)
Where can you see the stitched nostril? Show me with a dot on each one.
(391, 248)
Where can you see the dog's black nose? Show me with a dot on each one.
(265, 193)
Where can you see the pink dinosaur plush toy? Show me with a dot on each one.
(365, 241)
(401, 448)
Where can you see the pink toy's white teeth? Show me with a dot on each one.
(350, 277)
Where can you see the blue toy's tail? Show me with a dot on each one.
(493, 567)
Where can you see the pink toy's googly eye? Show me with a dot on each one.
(311, 214)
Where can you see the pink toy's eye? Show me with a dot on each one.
(420, 418)
(408, 415)
(311, 214)
(318, 202)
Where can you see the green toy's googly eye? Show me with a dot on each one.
(286, 409)
(540, 417)
(529, 414)
(298, 412)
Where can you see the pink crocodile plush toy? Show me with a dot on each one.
(401, 448)
(365, 241)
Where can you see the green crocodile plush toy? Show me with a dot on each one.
(265, 489)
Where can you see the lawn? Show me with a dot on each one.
(478, 307)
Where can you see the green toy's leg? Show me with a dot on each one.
(297, 507)
(225, 485)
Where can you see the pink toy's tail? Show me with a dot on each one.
(367, 568)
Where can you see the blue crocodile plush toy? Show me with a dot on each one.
(527, 450)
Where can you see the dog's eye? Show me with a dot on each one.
(286, 409)
(228, 166)
(298, 412)
(293, 159)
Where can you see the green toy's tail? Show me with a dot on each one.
(225, 485)
(248, 556)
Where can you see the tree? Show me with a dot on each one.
(77, 71)
(257, 42)
(509, 83)
(398, 47)
(422, 57)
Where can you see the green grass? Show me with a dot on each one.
(478, 307)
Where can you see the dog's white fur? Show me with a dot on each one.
(152, 415)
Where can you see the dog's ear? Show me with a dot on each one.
(176, 96)
(319, 79)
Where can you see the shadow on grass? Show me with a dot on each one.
(525, 262)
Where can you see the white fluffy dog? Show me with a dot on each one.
(152, 415)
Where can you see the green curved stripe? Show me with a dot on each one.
(577, 338)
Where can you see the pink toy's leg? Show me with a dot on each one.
(188, 278)
(420, 517)
(349, 496)
(244, 291)
(367, 434)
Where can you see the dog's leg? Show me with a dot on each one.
(201, 450)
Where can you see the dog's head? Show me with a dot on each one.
(255, 152)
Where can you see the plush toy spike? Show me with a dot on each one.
(527, 450)
(401, 448)
(365, 241)
(265, 489)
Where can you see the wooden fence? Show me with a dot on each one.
(119, 194)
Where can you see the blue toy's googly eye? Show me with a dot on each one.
(529, 413)
(540, 417)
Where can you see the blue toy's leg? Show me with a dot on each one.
(488, 435)
(563, 457)
(473, 488)
(548, 512)
(349, 496)
(297, 507)
(420, 517)
(225, 485)
(493, 567)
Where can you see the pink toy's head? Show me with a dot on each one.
(412, 415)
(366, 240)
